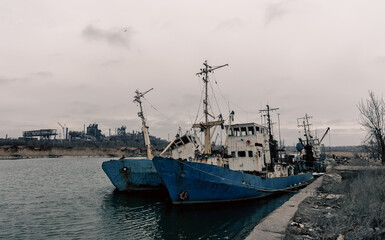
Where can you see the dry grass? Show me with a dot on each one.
(360, 213)
(353, 208)
(342, 154)
(363, 207)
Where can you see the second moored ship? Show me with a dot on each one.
(135, 174)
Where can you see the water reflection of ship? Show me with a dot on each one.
(131, 216)
(149, 216)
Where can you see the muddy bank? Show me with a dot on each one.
(53, 153)
(350, 204)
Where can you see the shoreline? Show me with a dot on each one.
(57, 153)
(36, 157)
(275, 224)
(337, 205)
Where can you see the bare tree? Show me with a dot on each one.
(372, 118)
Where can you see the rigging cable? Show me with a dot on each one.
(222, 95)
(212, 90)
(199, 107)
(156, 109)
(228, 102)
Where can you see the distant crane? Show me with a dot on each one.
(326, 132)
(63, 127)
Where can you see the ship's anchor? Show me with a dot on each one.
(183, 195)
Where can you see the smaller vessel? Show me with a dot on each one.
(135, 174)
(312, 153)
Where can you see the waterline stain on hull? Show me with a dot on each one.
(133, 175)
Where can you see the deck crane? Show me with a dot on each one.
(326, 132)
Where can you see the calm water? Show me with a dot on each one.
(71, 198)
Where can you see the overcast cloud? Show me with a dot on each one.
(80, 62)
(275, 11)
(119, 37)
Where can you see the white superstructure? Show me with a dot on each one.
(249, 147)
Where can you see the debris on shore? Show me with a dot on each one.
(350, 204)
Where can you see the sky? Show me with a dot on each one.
(80, 62)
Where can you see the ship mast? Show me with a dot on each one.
(309, 156)
(207, 125)
(306, 126)
(272, 145)
(146, 136)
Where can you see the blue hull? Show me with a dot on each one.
(133, 175)
(189, 182)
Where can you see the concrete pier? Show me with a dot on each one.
(274, 225)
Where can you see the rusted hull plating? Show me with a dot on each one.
(133, 175)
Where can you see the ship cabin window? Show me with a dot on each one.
(237, 133)
(243, 131)
(233, 154)
(178, 142)
(251, 130)
(185, 139)
(250, 153)
(241, 154)
(257, 129)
